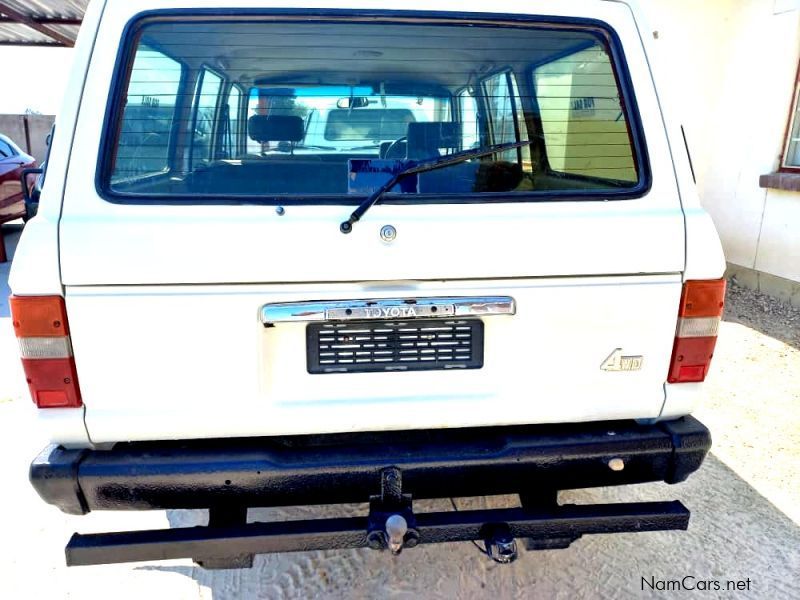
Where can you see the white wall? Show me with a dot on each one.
(735, 63)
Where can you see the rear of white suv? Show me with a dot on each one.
(525, 294)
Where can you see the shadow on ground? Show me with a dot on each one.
(735, 533)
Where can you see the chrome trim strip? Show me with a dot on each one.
(387, 308)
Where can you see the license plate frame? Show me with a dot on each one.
(371, 346)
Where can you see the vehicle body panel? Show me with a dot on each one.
(163, 300)
(222, 373)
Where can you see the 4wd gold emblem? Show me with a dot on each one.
(617, 362)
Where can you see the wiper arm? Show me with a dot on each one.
(423, 167)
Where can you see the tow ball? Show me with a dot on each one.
(391, 521)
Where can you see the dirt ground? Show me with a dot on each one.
(745, 502)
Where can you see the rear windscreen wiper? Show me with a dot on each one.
(423, 167)
(312, 147)
(370, 147)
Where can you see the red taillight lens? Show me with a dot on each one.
(40, 324)
(52, 382)
(690, 359)
(699, 316)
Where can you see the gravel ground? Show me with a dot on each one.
(745, 502)
(778, 320)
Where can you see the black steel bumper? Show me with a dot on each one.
(337, 469)
(227, 476)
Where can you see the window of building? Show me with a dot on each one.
(791, 154)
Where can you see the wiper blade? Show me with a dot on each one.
(304, 147)
(423, 167)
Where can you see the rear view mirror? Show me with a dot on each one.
(352, 102)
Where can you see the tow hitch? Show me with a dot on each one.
(392, 523)
(391, 520)
(231, 542)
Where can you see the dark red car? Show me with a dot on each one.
(12, 202)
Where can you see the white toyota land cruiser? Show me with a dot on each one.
(307, 252)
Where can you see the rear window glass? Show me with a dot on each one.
(365, 125)
(143, 146)
(584, 126)
(212, 109)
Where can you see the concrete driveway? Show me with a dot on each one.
(745, 502)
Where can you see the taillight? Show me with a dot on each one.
(699, 317)
(40, 324)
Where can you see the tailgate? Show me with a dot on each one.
(209, 200)
(180, 362)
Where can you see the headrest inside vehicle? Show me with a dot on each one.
(425, 139)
